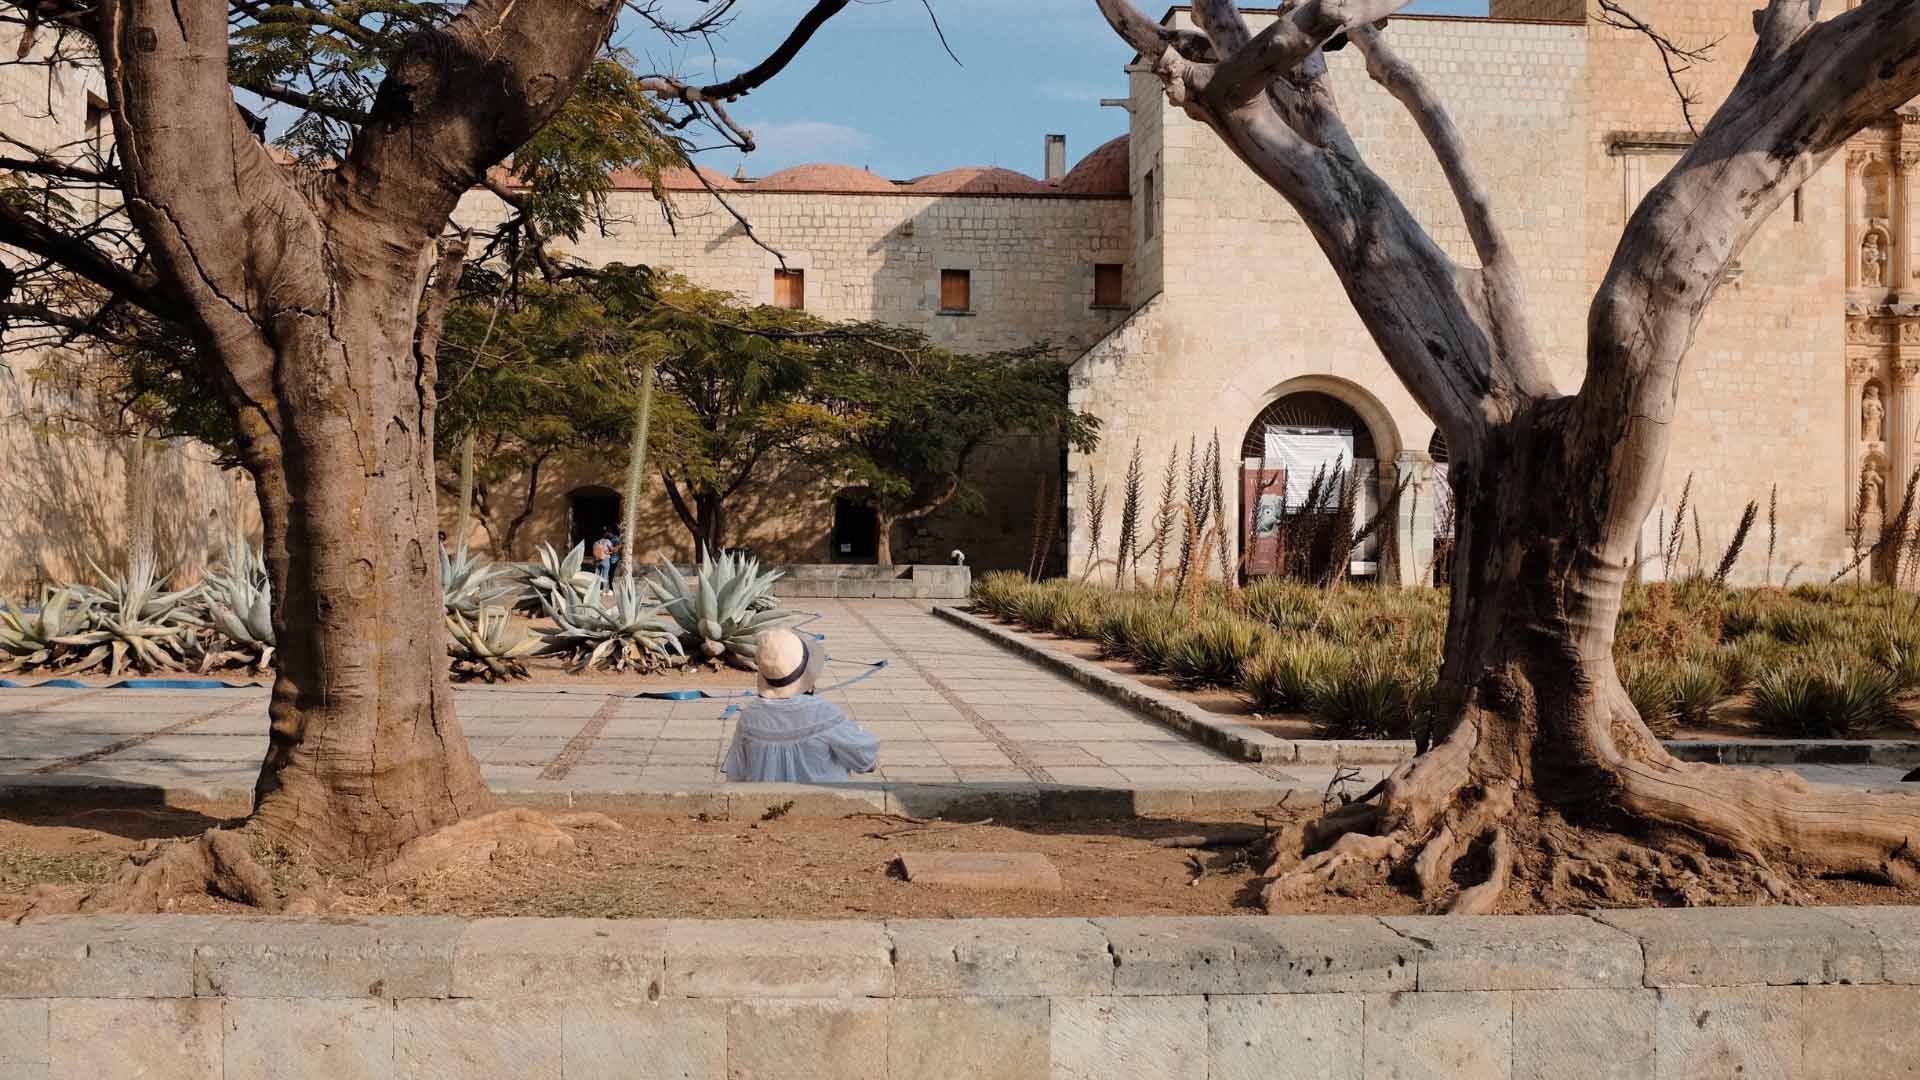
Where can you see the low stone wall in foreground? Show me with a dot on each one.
(856, 581)
(1766, 992)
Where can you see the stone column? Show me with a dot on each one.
(1856, 213)
(1902, 419)
(1902, 265)
(1859, 369)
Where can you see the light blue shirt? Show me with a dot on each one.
(798, 740)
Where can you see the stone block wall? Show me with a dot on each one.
(1771, 992)
(1248, 308)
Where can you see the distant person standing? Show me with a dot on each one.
(603, 556)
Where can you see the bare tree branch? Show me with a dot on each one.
(1676, 59)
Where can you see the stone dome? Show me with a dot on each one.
(824, 177)
(977, 180)
(1103, 172)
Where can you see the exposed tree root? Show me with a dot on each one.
(244, 865)
(1468, 828)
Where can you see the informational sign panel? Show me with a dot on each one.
(1303, 452)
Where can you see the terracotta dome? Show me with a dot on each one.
(977, 180)
(678, 179)
(824, 177)
(1103, 172)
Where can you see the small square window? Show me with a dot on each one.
(956, 290)
(790, 289)
(1108, 285)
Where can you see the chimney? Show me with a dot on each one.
(1056, 157)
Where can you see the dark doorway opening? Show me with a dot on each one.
(595, 510)
(856, 531)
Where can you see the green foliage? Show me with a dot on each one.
(1372, 698)
(994, 593)
(1282, 677)
(1213, 654)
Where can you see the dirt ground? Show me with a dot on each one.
(656, 867)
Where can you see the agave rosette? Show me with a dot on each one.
(489, 647)
(135, 622)
(471, 582)
(31, 639)
(620, 628)
(725, 611)
(237, 604)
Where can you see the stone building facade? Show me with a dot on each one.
(1194, 304)
(75, 490)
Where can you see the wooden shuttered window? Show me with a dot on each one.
(956, 290)
(1108, 285)
(790, 289)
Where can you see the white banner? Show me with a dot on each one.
(1304, 452)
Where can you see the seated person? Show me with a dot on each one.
(788, 735)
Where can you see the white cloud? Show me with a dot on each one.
(805, 140)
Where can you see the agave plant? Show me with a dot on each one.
(135, 621)
(471, 582)
(237, 604)
(555, 573)
(724, 616)
(617, 629)
(489, 648)
(31, 639)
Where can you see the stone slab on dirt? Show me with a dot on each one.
(981, 869)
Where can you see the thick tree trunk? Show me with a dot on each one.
(883, 549)
(1539, 767)
(365, 752)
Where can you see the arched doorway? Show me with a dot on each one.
(1309, 473)
(856, 530)
(594, 510)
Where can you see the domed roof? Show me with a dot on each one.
(1103, 172)
(824, 177)
(674, 179)
(977, 180)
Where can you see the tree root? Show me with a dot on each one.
(238, 865)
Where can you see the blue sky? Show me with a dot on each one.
(875, 89)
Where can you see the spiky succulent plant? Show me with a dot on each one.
(490, 647)
(136, 622)
(470, 582)
(237, 607)
(30, 639)
(556, 573)
(617, 628)
(729, 607)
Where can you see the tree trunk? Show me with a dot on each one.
(365, 751)
(1536, 748)
(883, 549)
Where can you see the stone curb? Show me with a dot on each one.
(175, 956)
(1228, 736)
(1252, 744)
(750, 802)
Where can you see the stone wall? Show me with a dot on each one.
(1767, 992)
(65, 493)
(1248, 308)
(865, 256)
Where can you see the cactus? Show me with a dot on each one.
(30, 639)
(617, 629)
(731, 607)
(488, 648)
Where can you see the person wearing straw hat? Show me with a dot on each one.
(789, 735)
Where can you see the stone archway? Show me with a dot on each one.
(1312, 425)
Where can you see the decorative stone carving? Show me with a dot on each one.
(1873, 414)
(1873, 492)
(1873, 261)
(1860, 368)
(1905, 368)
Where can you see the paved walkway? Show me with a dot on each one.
(949, 708)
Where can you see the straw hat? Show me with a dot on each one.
(789, 664)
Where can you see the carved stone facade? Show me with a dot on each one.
(1882, 351)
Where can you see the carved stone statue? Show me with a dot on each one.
(1873, 261)
(1872, 415)
(1873, 493)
